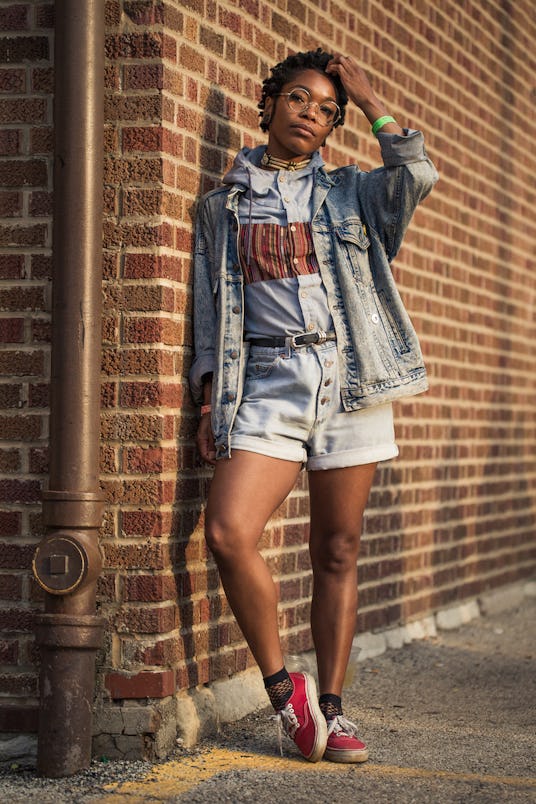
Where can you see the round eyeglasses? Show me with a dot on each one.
(299, 100)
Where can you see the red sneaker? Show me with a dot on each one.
(343, 744)
(302, 720)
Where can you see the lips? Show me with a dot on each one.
(303, 129)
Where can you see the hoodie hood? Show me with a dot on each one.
(246, 169)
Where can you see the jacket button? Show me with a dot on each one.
(236, 268)
(231, 396)
(374, 318)
(236, 309)
(234, 354)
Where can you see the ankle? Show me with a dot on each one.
(330, 705)
(279, 688)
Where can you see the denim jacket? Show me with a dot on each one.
(359, 220)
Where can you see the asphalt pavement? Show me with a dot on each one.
(450, 718)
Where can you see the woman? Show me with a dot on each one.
(301, 344)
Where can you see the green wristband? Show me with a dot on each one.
(380, 122)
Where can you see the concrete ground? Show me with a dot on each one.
(448, 718)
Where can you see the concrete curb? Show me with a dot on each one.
(200, 712)
(119, 732)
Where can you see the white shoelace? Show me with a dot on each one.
(286, 722)
(341, 725)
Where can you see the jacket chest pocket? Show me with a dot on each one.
(353, 242)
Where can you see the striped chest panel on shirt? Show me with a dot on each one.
(270, 251)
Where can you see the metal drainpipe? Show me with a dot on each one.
(67, 562)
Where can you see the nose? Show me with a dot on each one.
(311, 107)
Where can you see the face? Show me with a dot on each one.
(292, 134)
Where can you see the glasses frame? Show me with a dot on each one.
(308, 105)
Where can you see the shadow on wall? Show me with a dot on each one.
(202, 650)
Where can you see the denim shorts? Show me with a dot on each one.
(291, 409)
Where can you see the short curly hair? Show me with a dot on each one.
(283, 72)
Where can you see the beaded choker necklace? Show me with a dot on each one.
(269, 161)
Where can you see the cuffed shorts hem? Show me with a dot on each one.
(352, 457)
(285, 451)
(337, 460)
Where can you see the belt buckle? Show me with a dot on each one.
(313, 337)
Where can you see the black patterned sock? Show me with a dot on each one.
(279, 687)
(330, 705)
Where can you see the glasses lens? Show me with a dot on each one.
(298, 99)
(327, 114)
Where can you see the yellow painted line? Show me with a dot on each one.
(179, 776)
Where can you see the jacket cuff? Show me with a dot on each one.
(399, 150)
(202, 365)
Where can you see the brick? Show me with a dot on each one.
(142, 685)
(21, 427)
(10, 526)
(11, 395)
(22, 298)
(11, 266)
(143, 76)
(14, 18)
(20, 684)
(146, 620)
(20, 491)
(142, 138)
(23, 110)
(40, 204)
(15, 620)
(10, 461)
(12, 81)
(38, 395)
(163, 653)
(143, 523)
(10, 142)
(41, 140)
(18, 363)
(41, 266)
(9, 652)
(133, 556)
(36, 235)
(150, 588)
(10, 588)
(20, 49)
(12, 330)
(10, 204)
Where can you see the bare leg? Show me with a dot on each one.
(245, 491)
(338, 499)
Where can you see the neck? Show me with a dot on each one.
(274, 163)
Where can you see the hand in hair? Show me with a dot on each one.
(356, 83)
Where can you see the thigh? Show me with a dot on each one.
(338, 498)
(245, 491)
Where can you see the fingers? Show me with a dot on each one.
(205, 441)
(340, 63)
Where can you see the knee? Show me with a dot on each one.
(218, 541)
(337, 553)
(225, 542)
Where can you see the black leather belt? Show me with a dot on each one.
(295, 341)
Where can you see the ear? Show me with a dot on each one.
(268, 110)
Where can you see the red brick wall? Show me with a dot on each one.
(454, 515)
